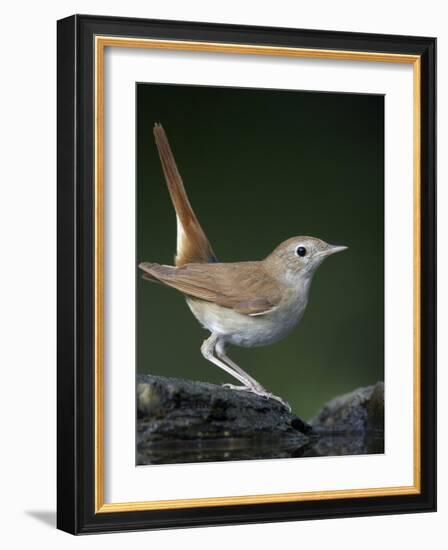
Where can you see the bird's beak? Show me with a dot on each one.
(335, 248)
(332, 249)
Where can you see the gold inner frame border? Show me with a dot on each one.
(100, 43)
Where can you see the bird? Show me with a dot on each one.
(245, 303)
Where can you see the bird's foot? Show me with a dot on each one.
(268, 395)
(261, 393)
(238, 388)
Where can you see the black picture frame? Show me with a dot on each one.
(76, 512)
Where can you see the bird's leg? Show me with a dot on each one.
(248, 381)
(250, 384)
(208, 351)
(213, 345)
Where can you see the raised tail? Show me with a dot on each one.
(192, 243)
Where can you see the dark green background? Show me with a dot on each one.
(261, 166)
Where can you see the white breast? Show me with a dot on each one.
(251, 331)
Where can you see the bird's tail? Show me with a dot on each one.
(192, 243)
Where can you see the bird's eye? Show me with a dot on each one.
(301, 251)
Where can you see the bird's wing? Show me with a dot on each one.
(192, 243)
(244, 287)
(256, 306)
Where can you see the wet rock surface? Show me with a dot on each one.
(361, 410)
(188, 421)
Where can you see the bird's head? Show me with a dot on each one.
(299, 257)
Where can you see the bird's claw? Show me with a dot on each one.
(238, 388)
(264, 394)
(279, 399)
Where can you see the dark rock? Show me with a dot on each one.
(188, 421)
(185, 421)
(350, 424)
(361, 410)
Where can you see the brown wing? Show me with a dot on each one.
(244, 287)
(192, 243)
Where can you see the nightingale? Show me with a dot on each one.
(248, 304)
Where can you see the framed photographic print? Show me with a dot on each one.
(246, 274)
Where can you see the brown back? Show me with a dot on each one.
(245, 287)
